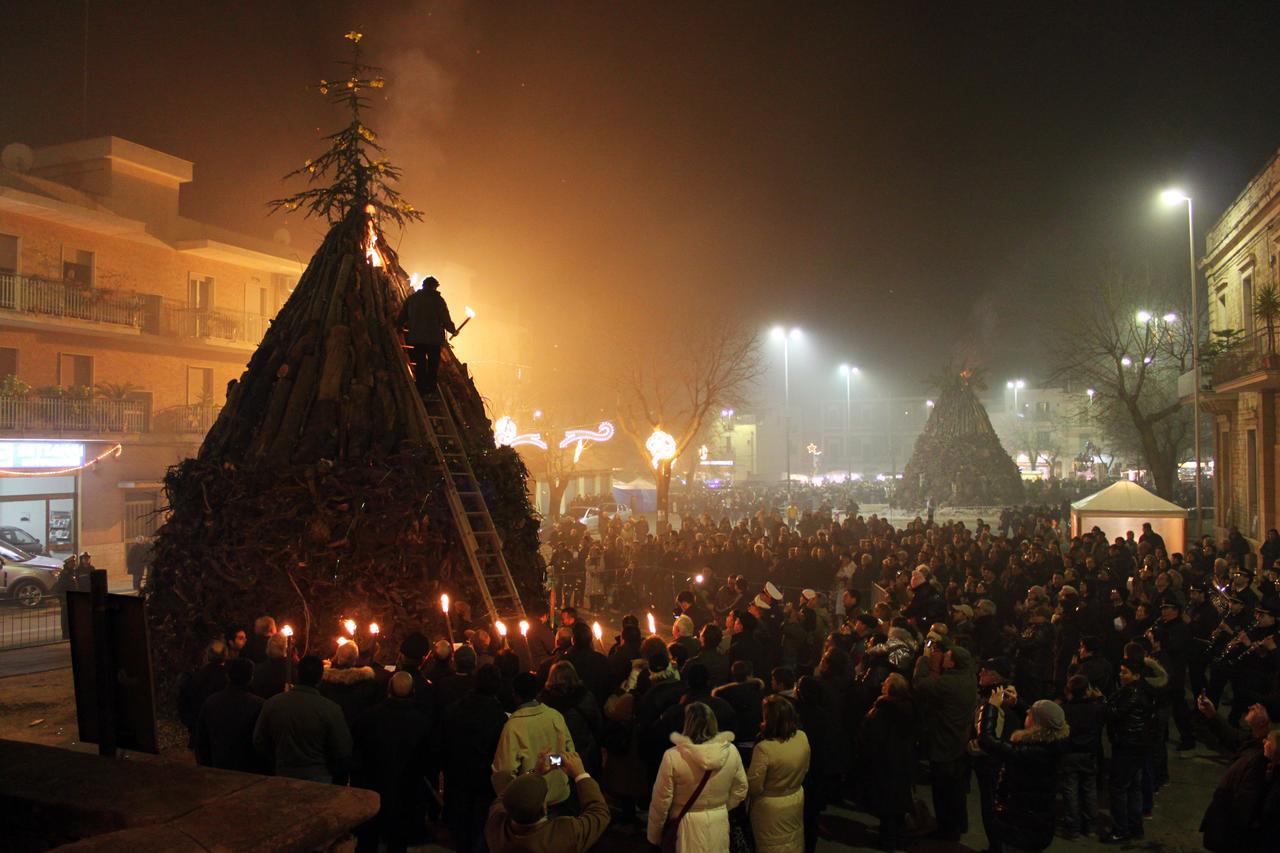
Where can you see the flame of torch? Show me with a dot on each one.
(350, 625)
(373, 628)
(597, 630)
(287, 630)
(342, 641)
(524, 628)
(501, 628)
(698, 578)
(653, 624)
(471, 312)
(444, 602)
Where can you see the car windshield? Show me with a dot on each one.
(12, 554)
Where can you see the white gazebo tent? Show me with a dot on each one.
(1125, 506)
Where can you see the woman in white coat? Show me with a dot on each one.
(700, 750)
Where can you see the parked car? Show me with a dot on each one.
(26, 578)
(22, 540)
(589, 516)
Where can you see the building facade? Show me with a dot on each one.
(121, 323)
(1241, 381)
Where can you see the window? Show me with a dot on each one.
(199, 386)
(141, 514)
(1251, 473)
(257, 299)
(1042, 408)
(77, 266)
(200, 292)
(1246, 302)
(1043, 440)
(8, 362)
(75, 371)
(8, 254)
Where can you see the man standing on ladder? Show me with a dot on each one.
(425, 317)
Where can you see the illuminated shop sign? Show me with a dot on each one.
(41, 454)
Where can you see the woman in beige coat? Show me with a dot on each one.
(778, 767)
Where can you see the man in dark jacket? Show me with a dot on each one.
(745, 644)
(201, 684)
(224, 727)
(1131, 715)
(744, 693)
(1227, 819)
(425, 317)
(946, 688)
(593, 667)
(474, 725)
(710, 656)
(304, 732)
(1174, 639)
(392, 744)
(1078, 774)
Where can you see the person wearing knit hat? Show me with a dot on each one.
(1023, 804)
(518, 820)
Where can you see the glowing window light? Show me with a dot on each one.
(661, 446)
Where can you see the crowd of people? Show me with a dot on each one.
(813, 658)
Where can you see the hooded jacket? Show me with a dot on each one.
(706, 825)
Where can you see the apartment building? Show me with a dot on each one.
(1241, 383)
(121, 323)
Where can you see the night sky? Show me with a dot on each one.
(906, 181)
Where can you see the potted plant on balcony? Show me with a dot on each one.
(12, 389)
(1266, 307)
(116, 393)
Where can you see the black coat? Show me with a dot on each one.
(1131, 717)
(224, 731)
(886, 741)
(717, 665)
(594, 670)
(269, 677)
(1027, 784)
(198, 687)
(582, 716)
(745, 697)
(746, 646)
(354, 688)
(391, 748)
(474, 725)
(427, 317)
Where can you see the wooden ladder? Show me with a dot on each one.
(480, 538)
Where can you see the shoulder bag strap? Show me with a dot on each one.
(697, 792)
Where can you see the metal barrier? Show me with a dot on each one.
(21, 627)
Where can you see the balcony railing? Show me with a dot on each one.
(1254, 353)
(26, 294)
(213, 324)
(196, 418)
(72, 415)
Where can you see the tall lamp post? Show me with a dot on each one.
(848, 372)
(781, 334)
(1172, 197)
(1016, 385)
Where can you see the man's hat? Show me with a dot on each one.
(965, 609)
(1001, 665)
(525, 798)
(808, 594)
(1170, 601)
(762, 602)
(773, 591)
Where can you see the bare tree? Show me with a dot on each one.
(1130, 340)
(682, 380)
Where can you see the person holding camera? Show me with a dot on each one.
(518, 821)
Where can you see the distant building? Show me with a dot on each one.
(1046, 432)
(1239, 263)
(121, 323)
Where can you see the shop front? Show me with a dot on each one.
(40, 496)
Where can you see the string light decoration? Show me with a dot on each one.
(112, 452)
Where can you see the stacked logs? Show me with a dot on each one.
(316, 495)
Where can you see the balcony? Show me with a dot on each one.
(72, 415)
(213, 325)
(194, 419)
(1251, 365)
(68, 300)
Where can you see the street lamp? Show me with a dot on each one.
(1173, 197)
(1144, 316)
(1017, 385)
(781, 334)
(848, 371)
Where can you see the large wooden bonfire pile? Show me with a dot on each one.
(958, 458)
(316, 496)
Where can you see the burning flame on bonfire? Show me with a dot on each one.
(371, 250)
